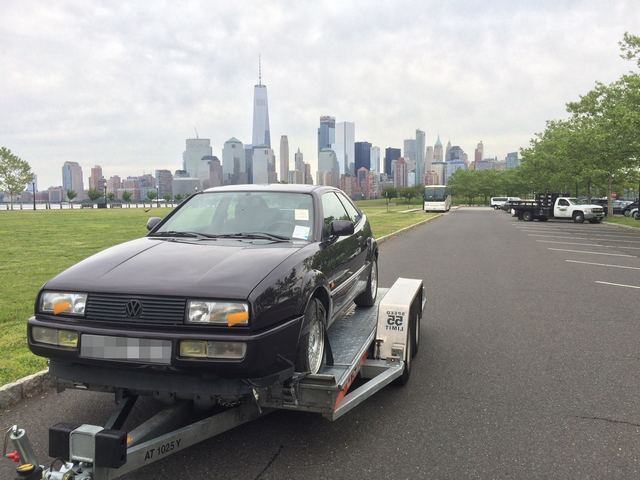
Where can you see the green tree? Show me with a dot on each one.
(93, 194)
(71, 194)
(167, 198)
(15, 173)
(151, 195)
(111, 196)
(126, 197)
(178, 198)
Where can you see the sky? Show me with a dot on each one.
(123, 84)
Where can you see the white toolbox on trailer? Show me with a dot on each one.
(368, 349)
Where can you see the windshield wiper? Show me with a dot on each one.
(255, 235)
(173, 233)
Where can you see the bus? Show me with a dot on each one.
(437, 198)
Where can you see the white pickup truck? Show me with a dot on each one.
(549, 206)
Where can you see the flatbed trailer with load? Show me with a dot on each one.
(558, 206)
(368, 349)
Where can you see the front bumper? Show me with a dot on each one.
(267, 352)
(592, 215)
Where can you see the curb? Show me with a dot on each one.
(628, 227)
(386, 237)
(37, 383)
(25, 387)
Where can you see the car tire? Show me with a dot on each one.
(527, 216)
(626, 212)
(635, 214)
(406, 373)
(543, 219)
(311, 346)
(368, 297)
(595, 220)
(578, 217)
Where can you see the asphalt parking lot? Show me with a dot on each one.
(528, 368)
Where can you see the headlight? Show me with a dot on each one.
(62, 302)
(218, 313)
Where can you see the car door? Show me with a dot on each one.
(563, 210)
(358, 257)
(336, 253)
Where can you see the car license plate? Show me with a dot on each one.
(144, 350)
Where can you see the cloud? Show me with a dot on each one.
(122, 85)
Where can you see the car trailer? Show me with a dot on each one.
(375, 344)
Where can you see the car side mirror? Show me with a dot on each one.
(342, 228)
(152, 222)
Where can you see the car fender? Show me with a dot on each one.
(315, 280)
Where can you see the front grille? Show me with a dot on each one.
(598, 210)
(155, 310)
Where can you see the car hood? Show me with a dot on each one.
(150, 266)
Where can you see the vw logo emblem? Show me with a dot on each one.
(133, 308)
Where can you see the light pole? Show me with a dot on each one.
(158, 196)
(33, 191)
(106, 204)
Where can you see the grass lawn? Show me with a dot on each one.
(622, 220)
(35, 246)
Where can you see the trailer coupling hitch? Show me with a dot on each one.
(28, 468)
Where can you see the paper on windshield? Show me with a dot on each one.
(301, 231)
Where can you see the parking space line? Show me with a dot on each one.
(578, 238)
(603, 265)
(592, 253)
(617, 284)
(581, 233)
(573, 243)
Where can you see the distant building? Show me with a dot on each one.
(452, 166)
(164, 179)
(454, 153)
(113, 184)
(326, 132)
(261, 134)
(56, 194)
(284, 158)
(263, 159)
(409, 153)
(215, 172)
(479, 153)
(185, 186)
(446, 150)
(345, 145)
(374, 157)
(96, 179)
(32, 186)
(234, 165)
(308, 179)
(420, 156)
(512, 160)
(438, 155)
(72, 180)
(400, 173)
(390, 154)
(362, 155)
(486, 164)
(196, 148)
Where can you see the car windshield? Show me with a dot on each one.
(578, 201)
(253, 214)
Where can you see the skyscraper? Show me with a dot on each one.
(455, 153)
(164, 179)
(261, 135)
(72, 179)
(390, 154)
(234, 167)
(447, 148)
(375, 159)
(263, 163)
(326, 132)
(345, 145)
(362, 155)
(479, 152)
(438, 155)
(192, 163)
(409, 153)
(420, 152)
(512, 160)
(299, 160)
(400, 173)
(96, 180)
(284, 158)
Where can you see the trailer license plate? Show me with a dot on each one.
(145, 350)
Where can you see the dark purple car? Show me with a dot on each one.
(236, 282)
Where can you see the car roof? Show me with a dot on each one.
(272, 187)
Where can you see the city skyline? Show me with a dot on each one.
(503, 70)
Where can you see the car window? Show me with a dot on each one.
(354, 214)
(286, 214)
(563, 203)
(332, 210)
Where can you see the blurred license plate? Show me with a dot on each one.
(126, 349)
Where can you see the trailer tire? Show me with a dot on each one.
(578, 217)
(406, 373)
(527, 216)
(368, 297)
(312, 337)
